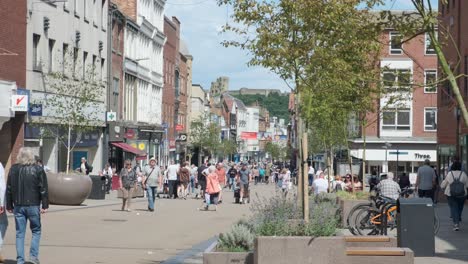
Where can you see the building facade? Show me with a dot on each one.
(401, 134)
(452, 131)
(12, 76)
(69, 37)
(140, 117)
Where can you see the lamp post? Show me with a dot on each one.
(386, 146)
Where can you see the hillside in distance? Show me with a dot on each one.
(275, 103)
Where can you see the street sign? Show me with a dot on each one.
(111, 117)
(182, 138)
(179, 127)
(19, 103)
(36, 109)
(398, 153)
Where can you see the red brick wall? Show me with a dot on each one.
(414, 50)
(171, 58)
(183, 90)
(117, 58)
(447, 123)
(12, 68)
(128, 8)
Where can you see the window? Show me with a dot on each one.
(395, 43)
(75, 60)
(64, 56)
(102, 69)
(430, 80)
(36, 54)
(85, 57)
(103, 15)
(396, 119)
(51, 55)
(398, 79)
(115, 93)
(430, 119)
(85, 9)
(429, 46)
(75, 7)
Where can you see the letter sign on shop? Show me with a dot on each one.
(19, 103)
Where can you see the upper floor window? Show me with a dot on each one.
(396, 119)
(429, 46)
(398, 79)
(36, 53)
(430, 119)
(430, 81)
(396, 47)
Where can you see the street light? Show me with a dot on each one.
(386, 146)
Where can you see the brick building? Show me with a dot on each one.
(452, 132)
(402, 134)
(12, 76)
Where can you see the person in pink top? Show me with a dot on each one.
(212, 188)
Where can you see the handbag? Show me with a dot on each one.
(146, 178)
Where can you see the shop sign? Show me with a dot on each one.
(36, 109)
(182, 138)
(422, 156)
(179, 127)
(19, 103)
(130, 133)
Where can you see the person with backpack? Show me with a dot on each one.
(338, 184)
(455, 185)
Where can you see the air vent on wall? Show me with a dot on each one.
(46, 24)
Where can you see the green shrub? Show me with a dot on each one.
(352, 196)
(239, 239)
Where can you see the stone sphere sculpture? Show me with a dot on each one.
(68, 189)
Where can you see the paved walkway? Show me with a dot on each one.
(101, 233)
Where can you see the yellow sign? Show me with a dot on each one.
(133, 145)
(141, 146)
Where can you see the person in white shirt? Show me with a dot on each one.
(3, 215)
(172, 172)
(311, 174)
(320, 185)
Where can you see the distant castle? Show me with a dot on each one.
(248, 91)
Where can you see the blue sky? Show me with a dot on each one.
(201, 23)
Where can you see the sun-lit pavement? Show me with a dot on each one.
(105, 234)
(101, 233)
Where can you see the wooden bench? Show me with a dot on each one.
(370, 241)
(381, 255)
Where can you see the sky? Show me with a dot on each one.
(201, 25)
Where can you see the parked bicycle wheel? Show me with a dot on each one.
(365, 222)
(351, 219)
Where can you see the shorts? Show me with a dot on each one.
(244, 185)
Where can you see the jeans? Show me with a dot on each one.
(3, 227)
(172, 188)
(232, 183)
(192, 184)
(311, 179)
(456, 208)
(22, 214)
(151, 192)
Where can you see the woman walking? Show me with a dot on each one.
(455, 184)
(285, 177)
(128, 180)
(212, 188)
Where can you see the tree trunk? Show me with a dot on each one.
(68, 149)
(305, 206)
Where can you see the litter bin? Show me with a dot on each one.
(415, 228)
(98, 191)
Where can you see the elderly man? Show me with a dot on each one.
(85, 168)
(152, 180)
(320, 185)
(388, 187)
(426, 180)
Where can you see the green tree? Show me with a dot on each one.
(205, 134)
(74, 100)
(227, 147)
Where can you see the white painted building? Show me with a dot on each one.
(143, 65)
(54, 30)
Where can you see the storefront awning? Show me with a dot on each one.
(127, 148)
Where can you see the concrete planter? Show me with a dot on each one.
(286, 250)
(228, 258)
(68, 189)
(346, 206)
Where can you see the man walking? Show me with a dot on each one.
(26, 191)
(245, 177)
(426, 180)
(320, 185)
(172, 172)
(151, 182)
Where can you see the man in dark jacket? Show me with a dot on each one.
(202, 180)
(27, 196)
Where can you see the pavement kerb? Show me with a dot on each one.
(202, 247)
